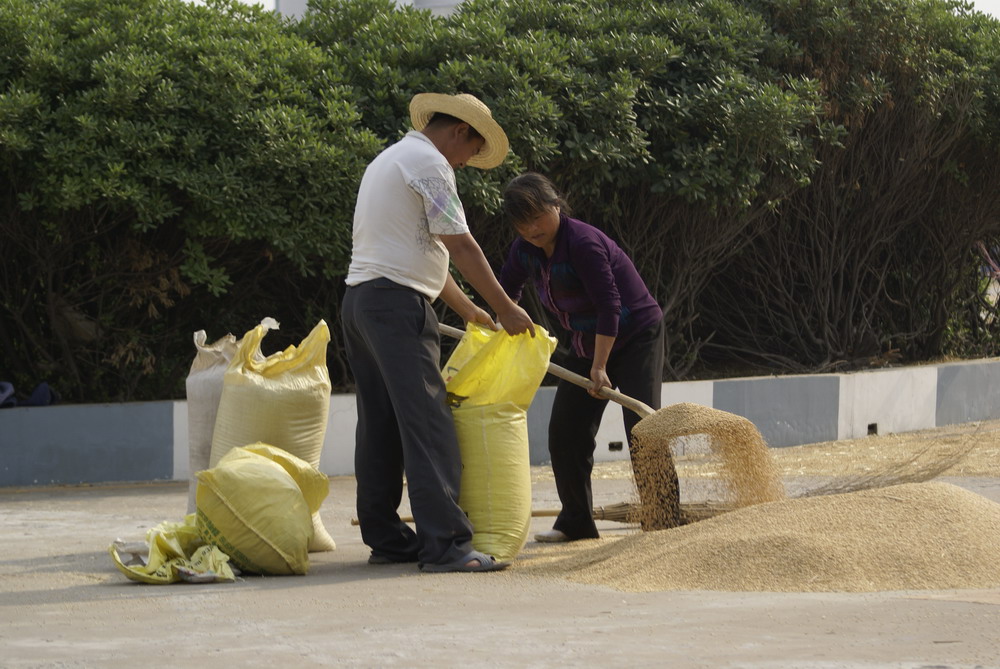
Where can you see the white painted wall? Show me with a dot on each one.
(294, 8)
(896, 400)
(338, 447)
(613, 427)
(182, 452)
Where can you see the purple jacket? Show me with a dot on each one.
(589, 284)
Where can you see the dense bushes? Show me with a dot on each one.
(168, 168)
(800, 183)
(871, 262)
(657, 119)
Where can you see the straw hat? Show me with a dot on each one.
(471, 110)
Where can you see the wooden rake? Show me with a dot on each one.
(621, 512)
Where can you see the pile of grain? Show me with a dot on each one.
(905, 537)
(747, 472)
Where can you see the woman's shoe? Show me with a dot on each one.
(552, 537)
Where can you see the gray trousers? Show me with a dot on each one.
(404, 426)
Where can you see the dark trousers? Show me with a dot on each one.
(404, 426)
(635, 370)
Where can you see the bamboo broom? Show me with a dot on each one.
(621, 512)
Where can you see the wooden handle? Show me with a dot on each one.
(630, 403)
(535, 513)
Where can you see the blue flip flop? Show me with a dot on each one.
(483, 562)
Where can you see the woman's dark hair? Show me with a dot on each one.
(442, 119)
(530, 194)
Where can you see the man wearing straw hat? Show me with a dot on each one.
(408, 223)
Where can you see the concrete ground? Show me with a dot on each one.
(63, 604)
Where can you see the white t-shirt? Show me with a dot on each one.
(407, 198)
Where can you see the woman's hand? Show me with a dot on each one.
(516, 320)
(598, 374)
(599, 379)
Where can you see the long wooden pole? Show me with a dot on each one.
(536, 513)
(630, 403)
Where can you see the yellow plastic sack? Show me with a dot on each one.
(282, 399)
(492, 367)
(173, 552)
(496, 476)
(494, 377)
(257, 506)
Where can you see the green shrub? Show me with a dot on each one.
(799, 183)
(657, 119)
(168, 167)
(866, 265)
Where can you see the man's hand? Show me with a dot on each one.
(463, 306)
(470, 261)
(482, 317)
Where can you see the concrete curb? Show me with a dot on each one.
(142, 441)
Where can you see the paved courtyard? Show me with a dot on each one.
(63, 604)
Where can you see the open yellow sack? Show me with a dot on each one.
(492, 378)
(257, 506)
(282, 399)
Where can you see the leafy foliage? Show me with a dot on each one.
(801, 183)
(159, 156)
(657, 119)
(867, 263)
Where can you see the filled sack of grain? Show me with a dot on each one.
(257, 506)
(282, 399)
(204, 389)
(491, 378)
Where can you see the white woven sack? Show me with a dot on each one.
(204, 388)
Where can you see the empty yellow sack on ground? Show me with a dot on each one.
(257, 506)
(173, 553)
(282, 399)
(492, 378)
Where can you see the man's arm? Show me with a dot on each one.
(468, 257)
(463, 306)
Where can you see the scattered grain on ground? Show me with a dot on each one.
(914, 536)
(979, 441)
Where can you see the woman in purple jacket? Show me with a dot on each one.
(615, 326)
